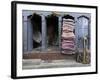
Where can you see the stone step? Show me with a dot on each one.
(31, 61)
(53, 64)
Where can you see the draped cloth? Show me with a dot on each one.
(68, 37)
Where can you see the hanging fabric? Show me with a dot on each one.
(68, 36)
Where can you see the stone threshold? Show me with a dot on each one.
(48, 56)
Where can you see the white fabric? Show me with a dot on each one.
(37, 36)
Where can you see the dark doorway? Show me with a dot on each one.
(52, 32)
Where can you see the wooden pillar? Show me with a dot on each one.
(44, 40)
(59, 30)
(29, 35)
(25, 34)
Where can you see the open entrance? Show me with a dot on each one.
(52, 33)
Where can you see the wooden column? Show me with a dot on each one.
(59, 30)
(25, 34)
(29, 35)
(44, 40)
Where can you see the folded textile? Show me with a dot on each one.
(67, 35)
(68, 48)
(68, 41)
(68, 44)
(67, 28)
(68, 38)
(70, 23)
(68, 20)
(67, 31)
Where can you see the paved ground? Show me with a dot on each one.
(38, 64)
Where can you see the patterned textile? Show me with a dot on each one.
(68, 37)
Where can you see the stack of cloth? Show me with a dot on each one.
(68, 37)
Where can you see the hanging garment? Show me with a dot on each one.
(68, 37)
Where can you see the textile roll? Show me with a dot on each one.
(68, 37)
(67, 44)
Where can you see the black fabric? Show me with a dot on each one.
(36, 21)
